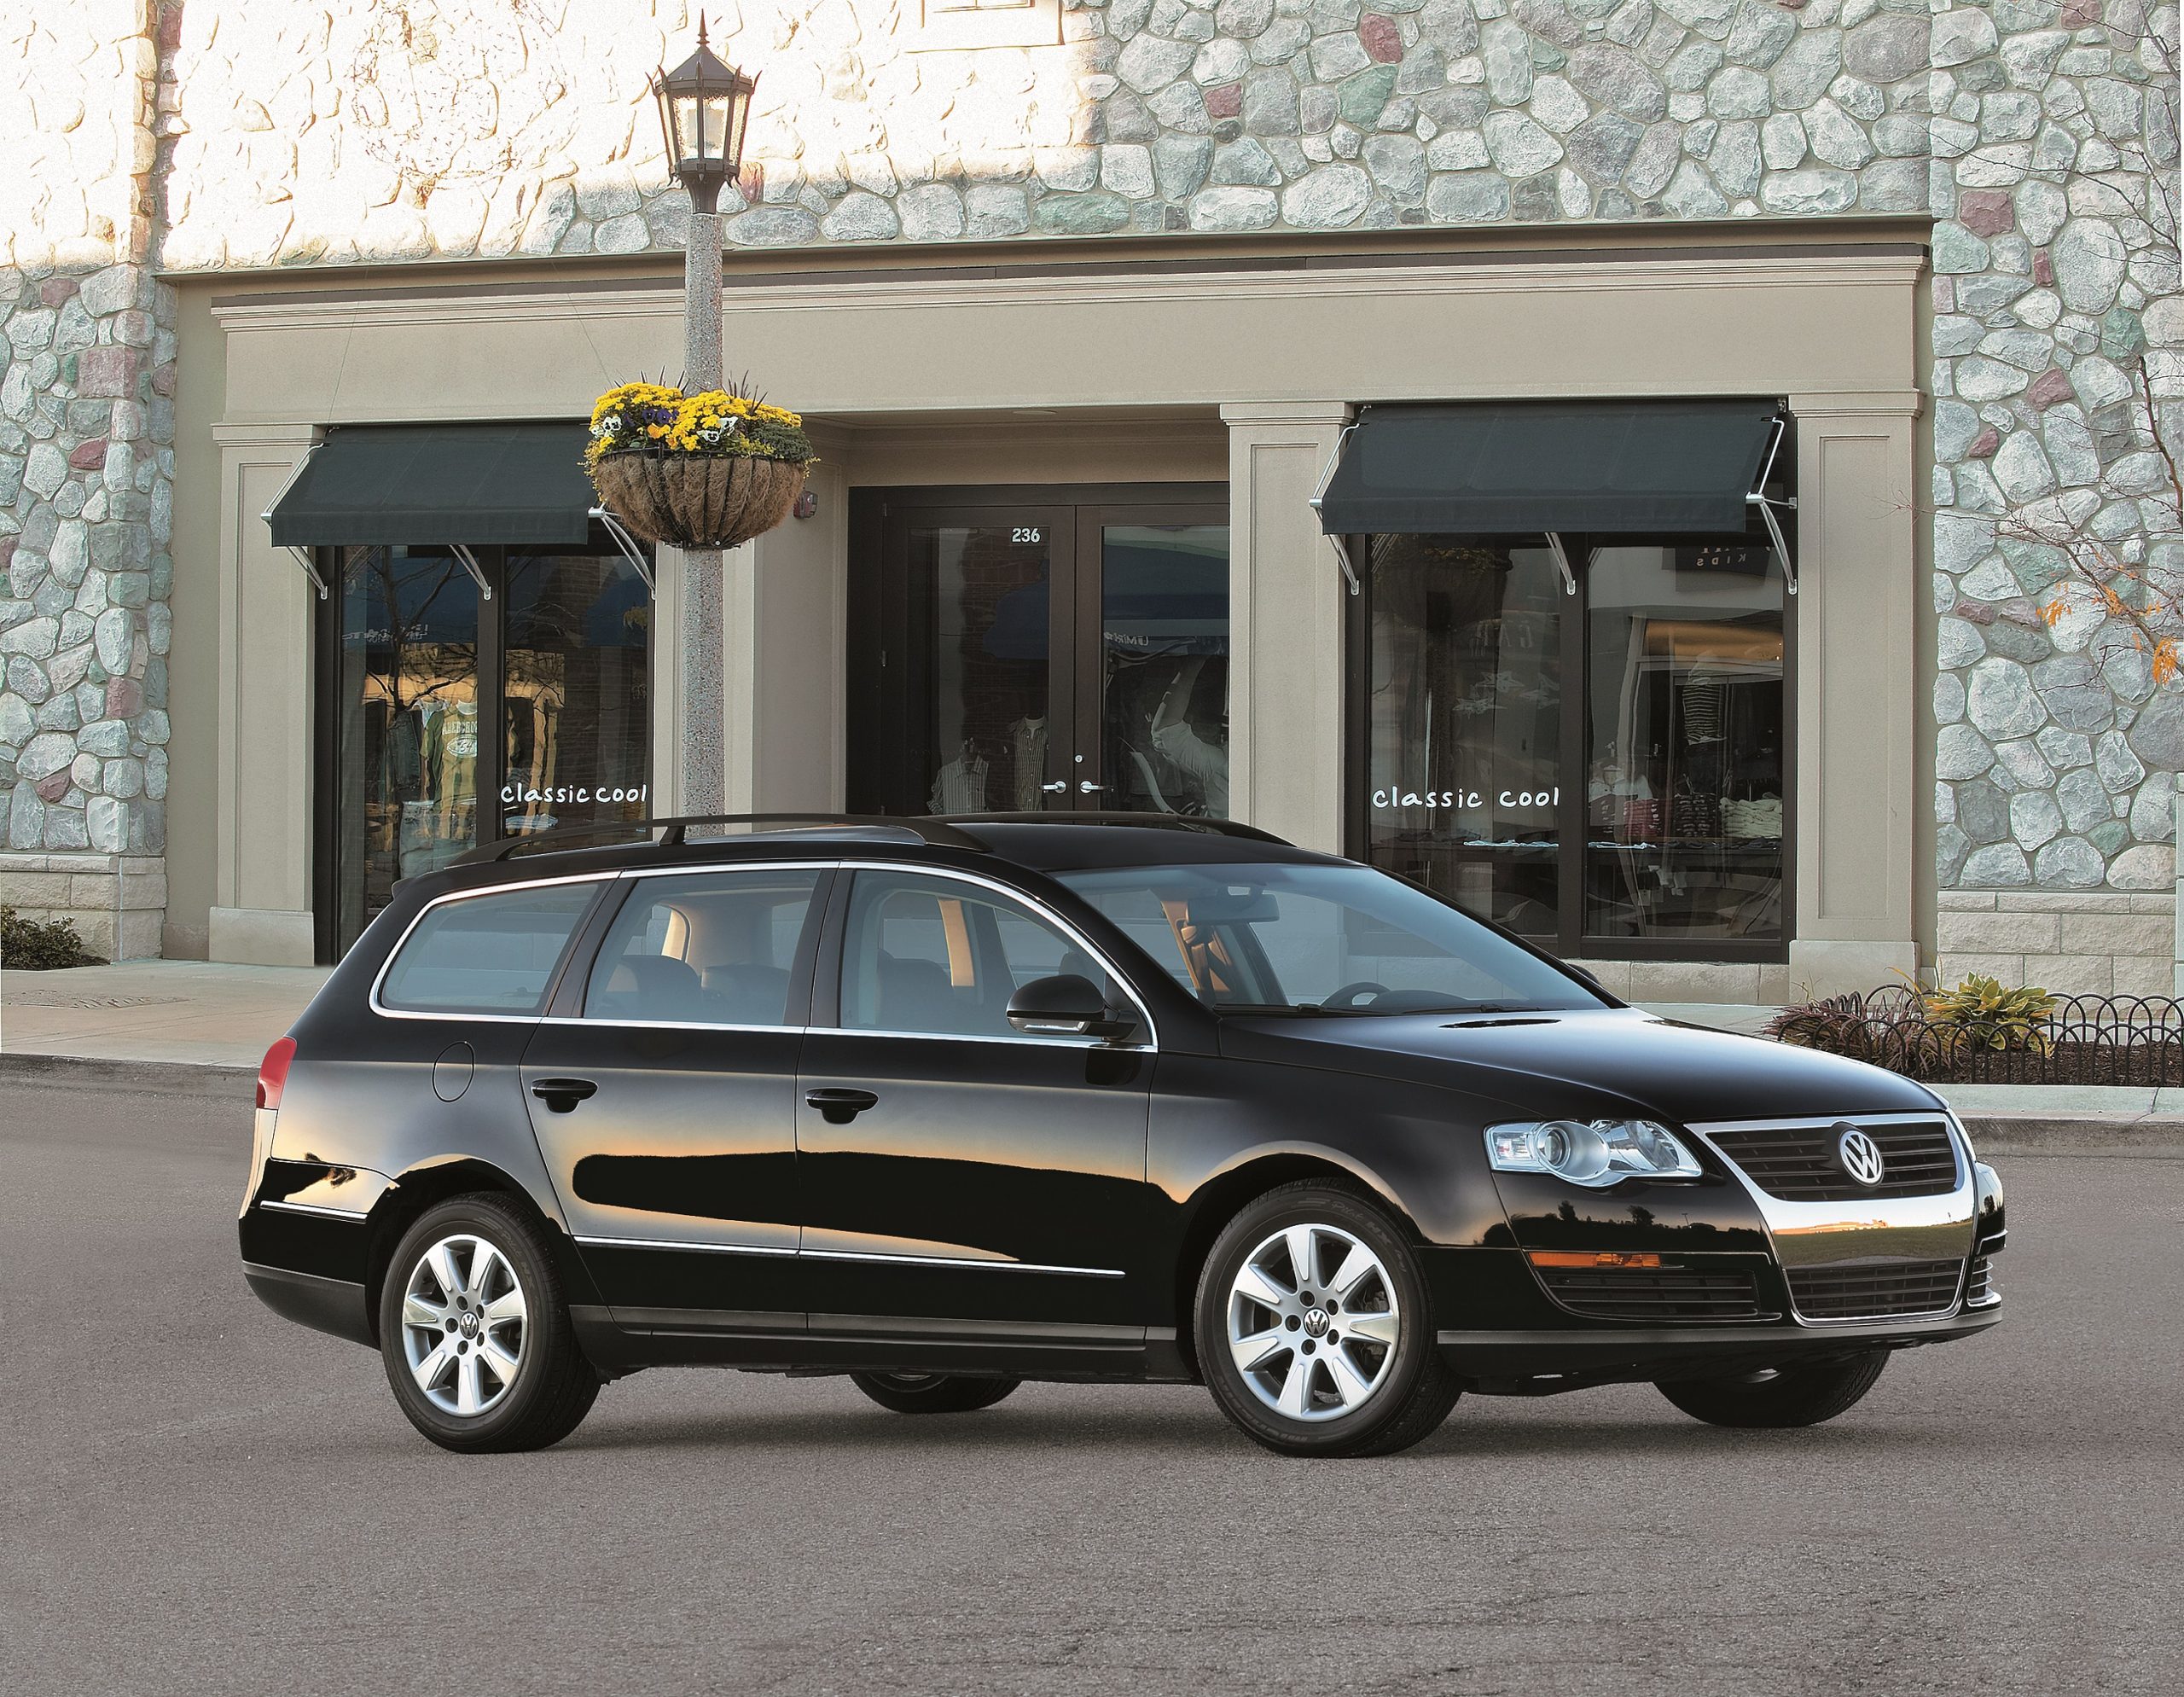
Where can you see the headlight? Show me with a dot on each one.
(1597, 1152)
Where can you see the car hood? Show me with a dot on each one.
(1584, 1063)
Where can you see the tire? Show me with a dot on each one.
(1793, 1396)
(1305, 1389)
(932, 1393)
(506, 1311)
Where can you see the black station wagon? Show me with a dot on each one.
(945, 1105)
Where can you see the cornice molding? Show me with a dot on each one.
(346, 311)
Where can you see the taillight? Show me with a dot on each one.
(273, 1072)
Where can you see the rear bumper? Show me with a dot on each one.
(332, 1305)
(1535, 1362)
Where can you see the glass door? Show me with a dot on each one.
(981, 675)
(1032, 653)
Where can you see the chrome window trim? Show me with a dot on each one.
(1152, 1040)
(379, 978)
(631, 874)
(316, 1208)
(677, 1244)
(1782, 1218)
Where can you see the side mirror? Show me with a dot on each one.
(1066, 1005)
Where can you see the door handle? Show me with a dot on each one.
(1055, 788)
(563, 1095)
(1086, 787)
(839, 1107)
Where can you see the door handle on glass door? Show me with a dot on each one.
(1055, 788)
(1086, 787)
(563, 1095)
(839, 1107)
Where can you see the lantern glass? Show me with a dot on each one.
(705, 107)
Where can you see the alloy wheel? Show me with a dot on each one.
(1313, 1323)
(462, 1325)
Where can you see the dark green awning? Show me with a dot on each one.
(422, 484)
(1515, 467)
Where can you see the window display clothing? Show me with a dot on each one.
(959, 786)
(1204, 764)
(1027, 743)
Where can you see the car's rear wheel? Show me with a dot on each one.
(1313, 1329)
(932, 1393)
(1788, 1396)
(476, 1335)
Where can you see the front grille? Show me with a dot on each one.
(1875, 1290)
(1980, 1290)
(1618, 1294)
(1799, 1163)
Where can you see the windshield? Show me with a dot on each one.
(1320, 939)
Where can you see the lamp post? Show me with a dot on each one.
(705, 106)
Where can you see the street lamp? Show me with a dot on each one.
(705, 107)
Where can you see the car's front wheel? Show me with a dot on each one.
(475, 1335)
(931, 1392)
(1313, 1329)
(1789, 1395)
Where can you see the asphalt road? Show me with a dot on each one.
(195, 1495)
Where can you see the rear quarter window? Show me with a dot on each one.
(486, 954)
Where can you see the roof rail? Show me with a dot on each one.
(1163, 821)
(675, 831)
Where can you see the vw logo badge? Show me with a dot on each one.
(1860, 1155)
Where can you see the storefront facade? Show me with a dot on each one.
(1004, 587)
(1073, 412)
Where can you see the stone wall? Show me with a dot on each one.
(2055, 254)
(86, 473)
(2033, 131)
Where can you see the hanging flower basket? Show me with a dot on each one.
(704, 471)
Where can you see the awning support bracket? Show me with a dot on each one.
(300, 555)
(1562, 562)
(462, 551)
(627, 544)
(1320, 494)
(1758, 497)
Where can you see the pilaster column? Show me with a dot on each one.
(1286, 594)
(261, 880)
(1860, 729)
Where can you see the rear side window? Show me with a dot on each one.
(486, 954)
(714, 948)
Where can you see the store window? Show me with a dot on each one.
(450, 719)
(1601, 764)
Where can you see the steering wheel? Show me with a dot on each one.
(1347, 997)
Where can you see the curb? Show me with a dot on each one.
(2158, 1135)
(162, 1078)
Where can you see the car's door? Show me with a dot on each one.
(951, 1169)
(662, 1089)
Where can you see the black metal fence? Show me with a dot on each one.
(2081, 1040)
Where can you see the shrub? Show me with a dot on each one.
(27, 946)
(1979, 1013)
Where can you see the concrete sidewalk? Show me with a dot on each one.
(190, 1013)
(153, 1021)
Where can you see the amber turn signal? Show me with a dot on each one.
(1592, 1257)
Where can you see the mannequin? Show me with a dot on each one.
(1027, 741)
(959, 786)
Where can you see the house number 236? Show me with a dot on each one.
(1026, 533)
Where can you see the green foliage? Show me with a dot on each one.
(27, 946)
(1981, 1013)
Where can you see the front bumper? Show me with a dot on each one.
(1539, 1362)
